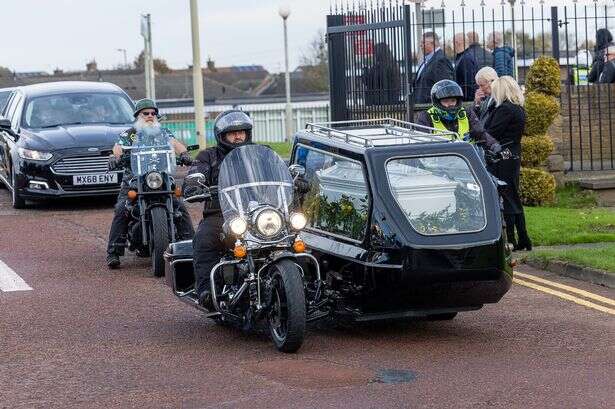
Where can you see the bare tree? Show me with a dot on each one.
(315, 63)
(160, 65)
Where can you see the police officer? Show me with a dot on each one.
(448, 114)
(232, 129)
(146, 116)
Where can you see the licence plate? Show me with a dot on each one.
(95, 179)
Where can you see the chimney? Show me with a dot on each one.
(91, 66)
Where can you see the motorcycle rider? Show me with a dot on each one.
(146, 115)
(232, 128)
(448, 114)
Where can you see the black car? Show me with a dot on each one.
(55, 139)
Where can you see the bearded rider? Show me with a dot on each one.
(448, 114)
(146, 116)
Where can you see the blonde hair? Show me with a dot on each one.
(487, 74)
(506, 89)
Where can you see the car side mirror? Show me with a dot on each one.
(296, 170)
(5, 124)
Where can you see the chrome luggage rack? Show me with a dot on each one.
(380, 132)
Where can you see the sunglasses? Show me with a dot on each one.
(148, 113)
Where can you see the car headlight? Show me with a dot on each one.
(238, 226)
(298, 221)
(154, 180)
(269, 223)
(33, 155)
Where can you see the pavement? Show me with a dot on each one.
(80, 336)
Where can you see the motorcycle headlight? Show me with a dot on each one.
(154, 180)
(269, 223)
(238, 226)
(33, 155)
(298, 221)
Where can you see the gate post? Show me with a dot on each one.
(555, 34)
(408, 67)
(337, 69)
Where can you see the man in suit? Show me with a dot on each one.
(434, 67)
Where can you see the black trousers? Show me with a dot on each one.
(208, 249)
(121, 218)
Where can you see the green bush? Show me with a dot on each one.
(544, 77)
(535, 150)
(540, 110)
(536, 187)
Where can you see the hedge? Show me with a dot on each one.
(535, 149)
(541, 111)
(544, 77)
(537, 187)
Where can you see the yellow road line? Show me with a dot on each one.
(575, 290)
(565, 296)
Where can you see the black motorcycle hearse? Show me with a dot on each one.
(400, 222)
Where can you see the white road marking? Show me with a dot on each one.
(10, 281)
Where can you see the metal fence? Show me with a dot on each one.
(375, 53)
(269, 119)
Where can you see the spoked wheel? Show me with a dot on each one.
(159, 239)
(287, 314)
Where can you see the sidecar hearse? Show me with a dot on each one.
(374, 219)
(403, 221)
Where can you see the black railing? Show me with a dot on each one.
(374, 54)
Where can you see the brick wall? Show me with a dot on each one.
(588, 123)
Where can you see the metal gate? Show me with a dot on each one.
(369, 68)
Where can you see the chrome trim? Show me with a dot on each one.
(212, 283)
(45, 185)
(6, 183)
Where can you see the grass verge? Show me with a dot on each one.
(602, 258)
(551, 225)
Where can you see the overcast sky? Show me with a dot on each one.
(40, 35)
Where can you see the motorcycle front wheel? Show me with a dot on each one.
(159, 239)
(287, 316)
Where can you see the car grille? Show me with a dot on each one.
(80, 165)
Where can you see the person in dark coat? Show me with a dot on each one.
(468, 62)
(506, 122)
(434, 67)
(608, 71)
(603, 40)
(383, 79)
(482, 97)
(502, 55)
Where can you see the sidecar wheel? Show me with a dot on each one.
(159, 240)
(287, 314)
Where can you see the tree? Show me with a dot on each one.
(315, 64)
(160, 65)
(5, 72)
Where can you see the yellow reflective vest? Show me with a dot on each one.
(463, 123)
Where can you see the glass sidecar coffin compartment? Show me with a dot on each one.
(180, 271)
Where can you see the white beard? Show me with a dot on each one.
(140, 124)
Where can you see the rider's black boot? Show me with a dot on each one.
(113, 261)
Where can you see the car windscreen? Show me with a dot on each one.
(76, 108)
(438, 194)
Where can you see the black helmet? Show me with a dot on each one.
(446, 89)
(145, 103)
(229, 121)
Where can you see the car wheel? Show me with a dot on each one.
(18, 201)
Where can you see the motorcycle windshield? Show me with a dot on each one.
(252, 176)
(152, 151)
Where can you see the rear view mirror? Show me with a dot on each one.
(296, 170)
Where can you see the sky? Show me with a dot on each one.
(41, 35)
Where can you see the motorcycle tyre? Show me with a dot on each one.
(287, 285)
(159, 239)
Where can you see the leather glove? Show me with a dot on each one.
(185, 158)
(301, 185)
(495, 148)
(113, 162)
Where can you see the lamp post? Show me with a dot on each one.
(197, 77)
(123, 50)
(284, 12)
(514, 38)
